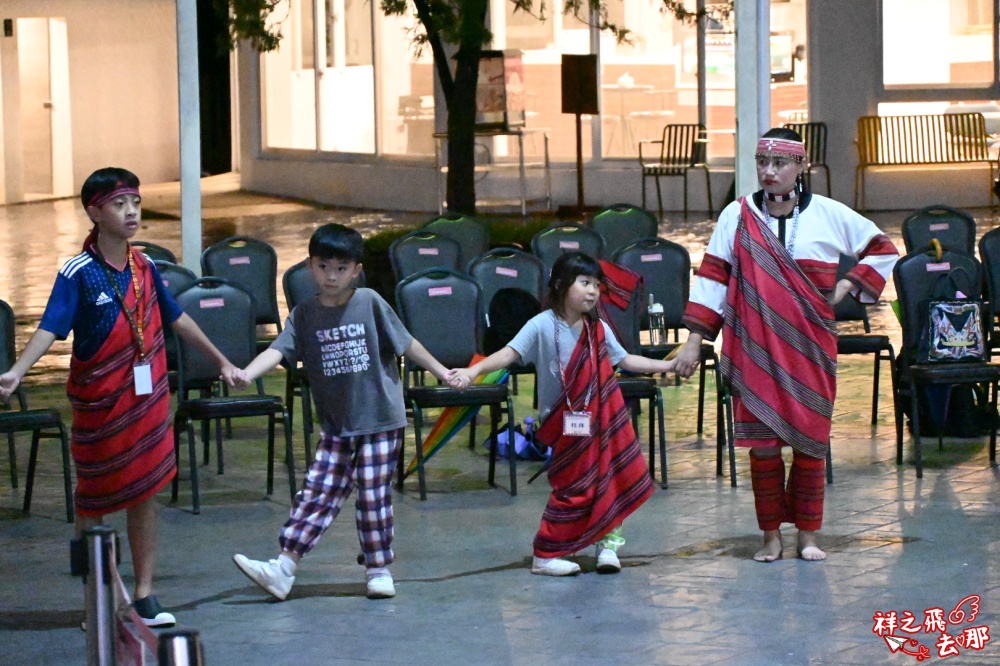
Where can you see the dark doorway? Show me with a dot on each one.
(216, 105)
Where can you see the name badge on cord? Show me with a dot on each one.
(143, 376)
(577, 424)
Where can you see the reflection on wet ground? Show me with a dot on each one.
(37, 238)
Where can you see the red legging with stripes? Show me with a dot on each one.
(801, 502)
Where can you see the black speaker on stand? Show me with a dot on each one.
(579, 96)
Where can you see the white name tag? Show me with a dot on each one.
(143, 376)
(577, 424)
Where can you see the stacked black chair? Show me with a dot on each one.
(916, 276)
(41, 423)
(253, 265)
(225, 312)
(423, 302)
(955, 229)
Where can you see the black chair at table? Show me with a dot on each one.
(814, 137)
(472, 235)
(154, 251)
(622, 224)
(41, 423)
(298, 285)
(955, 229)
(424, 301)
(420, 250)
(563, 237)
(665, 268)
(681, 148)
(636, 388)
(225, 312)
(253, 265)
(916, 277)
(508, 268)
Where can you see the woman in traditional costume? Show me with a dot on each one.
(769, 283)
(113, 300)
(597, 471)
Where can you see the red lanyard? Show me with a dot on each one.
(135, 320)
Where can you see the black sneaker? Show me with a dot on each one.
(152, 613)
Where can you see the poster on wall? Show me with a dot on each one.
(500, 95)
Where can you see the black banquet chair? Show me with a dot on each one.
(622, 224)
(253, 265)
(41, 423)
(563, 237)
(154, 251)
(422, 249)
(472, 235)
(225, 312)
(915, 276)
(955, 229)
(423, 302)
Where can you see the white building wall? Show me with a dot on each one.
(123, 83)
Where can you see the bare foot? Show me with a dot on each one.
(772, 547)
(807, 548)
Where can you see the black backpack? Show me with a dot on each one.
(509, 311)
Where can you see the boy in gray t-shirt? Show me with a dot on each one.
(348, 340)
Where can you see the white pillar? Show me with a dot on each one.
(753, 79)
(190, 129)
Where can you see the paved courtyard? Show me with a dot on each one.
(688, 593)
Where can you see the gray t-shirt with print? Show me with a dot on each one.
(536, 343)
(349, 353)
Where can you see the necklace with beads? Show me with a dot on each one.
(790, 245)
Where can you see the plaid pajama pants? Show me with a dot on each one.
(366, 461)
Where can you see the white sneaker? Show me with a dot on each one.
(554, 566)
(269, 575)
(380, 586)
(607, 561)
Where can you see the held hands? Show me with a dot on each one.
(8, 384)
(687, 359)
(459, 378)
(234, 377)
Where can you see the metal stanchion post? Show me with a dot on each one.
(100, 596)
(180, 648)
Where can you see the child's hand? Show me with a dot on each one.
(8, 384)
(458, 378)
(235, 377)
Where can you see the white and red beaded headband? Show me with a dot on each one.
(103, 198)
(769, 146)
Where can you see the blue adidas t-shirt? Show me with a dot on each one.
(83, 301)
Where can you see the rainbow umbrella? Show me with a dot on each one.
(454, 418)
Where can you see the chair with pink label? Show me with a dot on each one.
(563, 237)
(422, 249)
(953, 228)
(224, 311)
(253, 265)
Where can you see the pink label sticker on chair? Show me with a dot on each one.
(439, 291)
(509, 272)
(651, 257)
(572, 245)
(428, 250)
(940, 226)
(212, 303)
(233, 261)
(943, 266)
(166, 282)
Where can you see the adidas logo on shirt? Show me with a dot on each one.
(103, 299)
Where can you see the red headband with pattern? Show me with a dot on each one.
(786, 147)
(102, 198)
